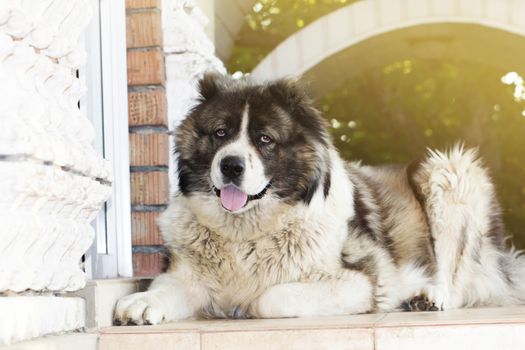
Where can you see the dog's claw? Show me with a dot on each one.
(420, 303)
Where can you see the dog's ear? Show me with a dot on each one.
(209, 84)
(290, 92)
(292, 95)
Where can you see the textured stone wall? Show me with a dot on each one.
(52, 183)
(188, 54)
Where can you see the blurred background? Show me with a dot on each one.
(108, 80)
(438, 72)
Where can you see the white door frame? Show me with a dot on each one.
(107, 105)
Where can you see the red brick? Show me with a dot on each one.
(149, 149)
(143, 29)
(149, 188)
(144, 228)
(148, 264)
(146, 67)
(143, 4)
(147, 107)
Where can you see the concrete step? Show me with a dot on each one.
(490, 329)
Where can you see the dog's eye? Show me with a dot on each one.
(265, 139)
(220, 132)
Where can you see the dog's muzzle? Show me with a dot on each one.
(234, 199)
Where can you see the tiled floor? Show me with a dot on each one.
(479, 329)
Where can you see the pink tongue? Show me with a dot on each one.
(232, 198)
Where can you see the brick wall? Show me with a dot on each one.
(148, 133)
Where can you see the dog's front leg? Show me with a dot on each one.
(323, 298)
(167, 299)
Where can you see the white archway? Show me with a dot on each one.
(354, 24)
(229, 17)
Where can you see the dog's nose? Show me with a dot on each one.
(232, 167)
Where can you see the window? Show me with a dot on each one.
(106, 104)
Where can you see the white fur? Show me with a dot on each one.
(170, 297)
(311, 280)
(337, 297)
(459, 192)
(254, 180)
(344, 291)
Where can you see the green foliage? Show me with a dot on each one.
(284, 17)
(273, 21)
(245, 58)
(392, 113)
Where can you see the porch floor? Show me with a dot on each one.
(496, 328)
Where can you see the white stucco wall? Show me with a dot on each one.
(189, 53)
(366, 19)
(52, 182)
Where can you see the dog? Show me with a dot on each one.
(269, 221)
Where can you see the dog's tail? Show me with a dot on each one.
(514, 269)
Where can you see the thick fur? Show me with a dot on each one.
(319, 236)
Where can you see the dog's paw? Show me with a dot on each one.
(440, 295)
(420, 303)
(138, 309)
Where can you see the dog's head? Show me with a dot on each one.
(246, 144)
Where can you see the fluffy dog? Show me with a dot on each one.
(269, 221)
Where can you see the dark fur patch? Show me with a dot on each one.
(411, 170)
(209, 85)
(365, 265)
(385, 222)
(361, 212)
(496, 230)
(250, 251)
(311, 191)
(327, 184)
(371, 216)
(167, 258)
(295, 161)
(360, 265)
(294, 98)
